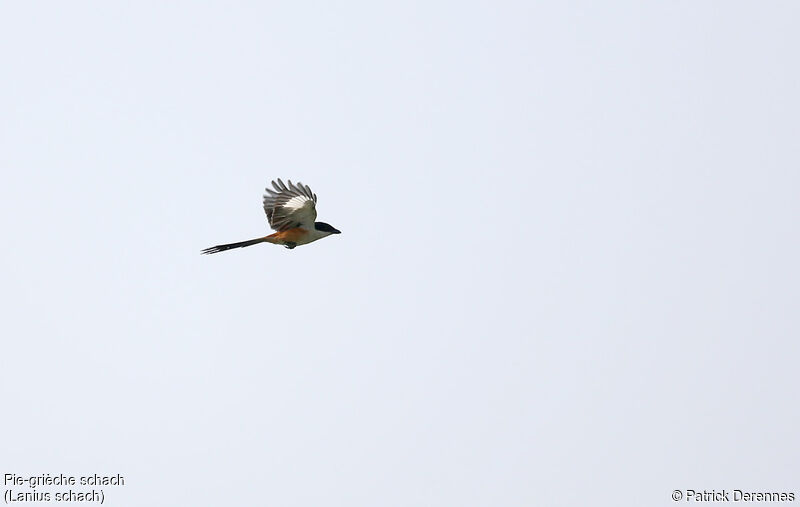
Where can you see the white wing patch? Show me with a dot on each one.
(296, 203)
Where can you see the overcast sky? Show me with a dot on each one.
(567, 274)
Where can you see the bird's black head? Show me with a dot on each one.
(322, 226)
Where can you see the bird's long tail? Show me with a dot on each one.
(222, 248)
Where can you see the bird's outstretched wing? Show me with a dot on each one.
(290, 206)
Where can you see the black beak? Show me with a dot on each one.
(336, 231)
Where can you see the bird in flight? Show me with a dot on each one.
(291, 211)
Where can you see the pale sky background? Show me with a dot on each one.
(568, 273)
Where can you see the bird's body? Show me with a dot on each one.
(291, 211)
(297, 236)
